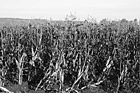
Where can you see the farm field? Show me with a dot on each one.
(39, 56)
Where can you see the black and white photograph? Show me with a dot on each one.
(69, 46)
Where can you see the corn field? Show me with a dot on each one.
(70, 57)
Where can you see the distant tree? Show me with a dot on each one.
(70, 17)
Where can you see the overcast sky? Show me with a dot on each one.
(58, 9)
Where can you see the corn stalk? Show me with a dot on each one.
(20, 64)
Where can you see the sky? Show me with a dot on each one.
(82, 9)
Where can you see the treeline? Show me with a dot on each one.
(71, 56)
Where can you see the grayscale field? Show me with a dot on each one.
(69, 46)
